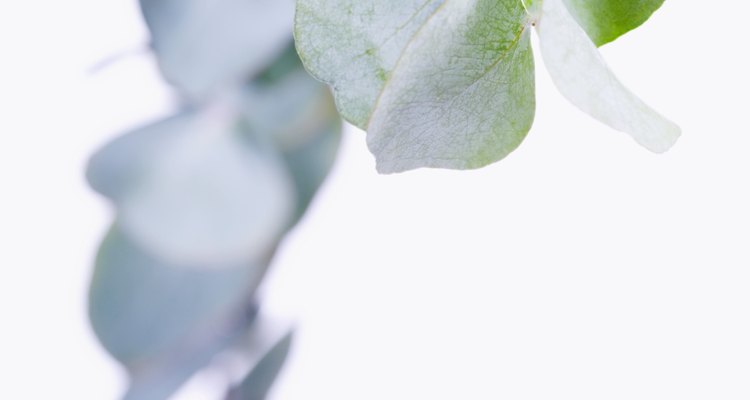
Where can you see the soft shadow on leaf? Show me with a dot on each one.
(259, 380)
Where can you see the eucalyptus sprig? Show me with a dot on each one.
(203, 198)
(450, 84)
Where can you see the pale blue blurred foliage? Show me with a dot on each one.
(258, 382)
(204, 197)
(162, 321)
(205, 45)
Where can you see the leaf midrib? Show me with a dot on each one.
(387, 82)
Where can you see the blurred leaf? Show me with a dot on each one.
(259, 381)
(197, 196)
(163, 321)
(116, 167)
(197, 189)
(444, 84)
(310, 164)
(297, 113)
(202, 45)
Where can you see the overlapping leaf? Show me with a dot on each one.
(197, 190)
(257, 384)
(297, 114)
(450, 83)
(219, 186)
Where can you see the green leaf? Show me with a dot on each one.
(435, 83)
(258, 382)
(195, 188)
(203, 45)
(164, 321)
(582, 77)
(606, 20)
(462, 95)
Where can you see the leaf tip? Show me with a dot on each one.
(665, 141)
(388, 167)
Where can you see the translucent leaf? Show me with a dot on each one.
(258, 382)
(582, 76)
(606, 20)
(204, 44)
(196, 190)
(165, 321)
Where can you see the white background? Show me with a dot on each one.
(581, 267)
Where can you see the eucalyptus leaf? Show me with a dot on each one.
(462, 95)
(197, 189)
(436, 84)
(115, 168)
(203, 198)
(310, 163)
(261, 377)
(203, 45)
(297, 114)
(164, 321)
(582, 76)
(354, 45)
(606, 20)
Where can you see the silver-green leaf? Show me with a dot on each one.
(258, 382)
(296, 113)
